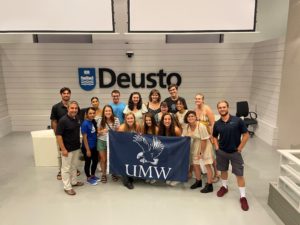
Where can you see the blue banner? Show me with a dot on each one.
(148, 156)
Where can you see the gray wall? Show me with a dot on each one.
(5, 124)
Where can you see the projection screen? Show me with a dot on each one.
(191, 15)
(56, 16)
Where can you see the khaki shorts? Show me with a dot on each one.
(101, 145)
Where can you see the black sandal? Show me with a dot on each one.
(103, 179)
(114, 178)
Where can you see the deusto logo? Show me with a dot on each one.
(108, 78)
(87, 78)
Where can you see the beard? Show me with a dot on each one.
(224, 113)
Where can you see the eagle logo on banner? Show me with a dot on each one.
(150, 151)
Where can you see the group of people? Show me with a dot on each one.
(216, 144)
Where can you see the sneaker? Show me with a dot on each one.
(152, 181)
(92, 181)
(198, 183)
(168, 182)
(244, 204)
(173, 183)
(208, 188)
(70, 192)
(222, 191)
(95, 178)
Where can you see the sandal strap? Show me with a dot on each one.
(103, 179)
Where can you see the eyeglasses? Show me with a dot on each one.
(115, 96)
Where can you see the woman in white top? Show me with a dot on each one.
(201, 148)
(135, 105)
(107, 122)
(206, 116)
(96, 105)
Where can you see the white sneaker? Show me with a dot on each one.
(174, 183)
(152, 181)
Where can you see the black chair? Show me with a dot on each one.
(242, 110)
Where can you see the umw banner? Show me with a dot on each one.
(148, 156)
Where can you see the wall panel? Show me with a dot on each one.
(34, 73)
(5, 123)
(267, 70)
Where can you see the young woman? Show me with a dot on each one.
(107, 122)
(201, 148)
(153, 105)
(167, 127)
(181, 111)
(89, 145)
(150, 126)
(96, 105)
(129, 125)
(135, 105)
(206, 116)
(163, 109)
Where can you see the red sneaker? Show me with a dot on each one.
(244, 204)
(222, 191)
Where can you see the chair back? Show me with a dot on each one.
(242, 109)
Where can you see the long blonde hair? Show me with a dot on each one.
(127, 128)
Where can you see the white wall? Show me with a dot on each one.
(34, 73)
(288, 115)
(5, 124)
(271, 23)
(265, 91)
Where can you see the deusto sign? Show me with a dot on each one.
(108, 78)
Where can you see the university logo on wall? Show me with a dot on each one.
(108, 78)
(87, 78)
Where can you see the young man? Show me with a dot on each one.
(57, 112)
(118, 107)
(171, 101)
(68, 139)
(227, 134)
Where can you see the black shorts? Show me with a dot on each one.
(236, 160)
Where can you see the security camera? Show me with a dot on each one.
(129, 54)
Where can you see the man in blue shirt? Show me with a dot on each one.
(118, 107)
(227, 134)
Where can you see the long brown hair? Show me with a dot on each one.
(104, 120)
(163, 129)
(147, 129)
